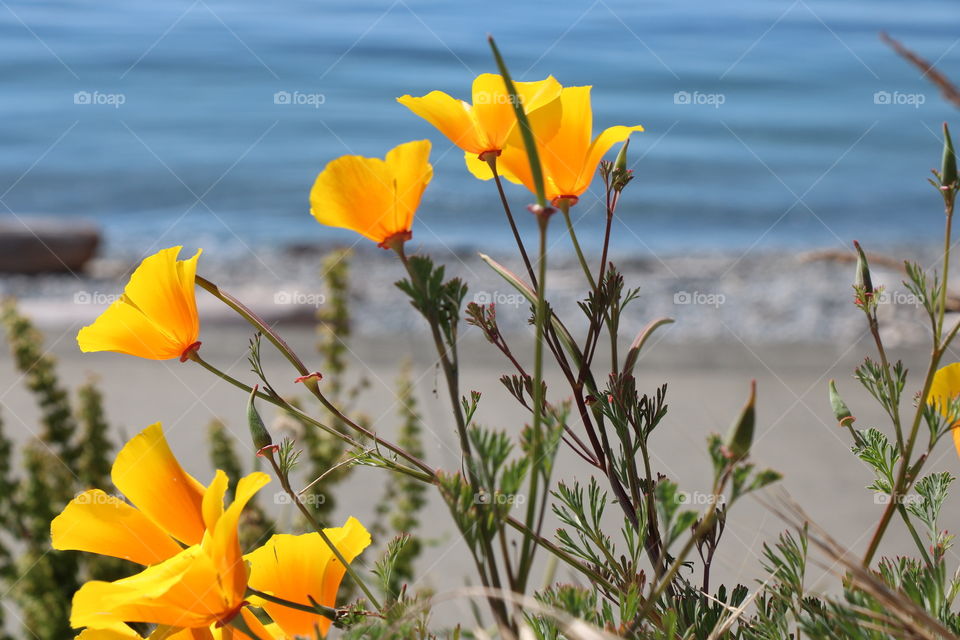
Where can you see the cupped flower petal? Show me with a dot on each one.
(294, 567)
(201, 586)
(943, 390)
(569, 154)
(493, 107)
(373, 197)
(99, 523)
(223, 541)
(148, 474)
(180, 592)
(450, 116)
(156, 317)
(486, 125)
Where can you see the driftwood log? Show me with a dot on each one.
(30, 245)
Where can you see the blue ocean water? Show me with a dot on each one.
(769, 123)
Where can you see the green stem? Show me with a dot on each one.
(595, 577)
(255, 320)
(705, 523)
(492, 161)
(320, 609)
(949, 201)
(914, 534)
(526, 551)
(564, 205)
(526, 131)
(450, 372)
(285, 483)
(448, 362)
(903, 483)
(428, 474)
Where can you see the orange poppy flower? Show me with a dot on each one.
(156, 317)
(483, 127)
(295, 567)
(569, 154)
(376, 198)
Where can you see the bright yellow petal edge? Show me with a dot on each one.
(295, 566)
(201, 586)
(156, 317)
(166, 506)
(944, 388)
(374, 197)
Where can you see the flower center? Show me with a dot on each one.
(396, 240)
(570, 200)
(189, 352)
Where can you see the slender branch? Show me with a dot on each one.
(492, 161)
(904, 478)
(285, 483)
(428, 474)
(320, 609)
(526, 549)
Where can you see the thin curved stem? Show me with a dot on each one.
(492, 161)
(320, 609)
(285, 483)
(564, 205)
(428, 474)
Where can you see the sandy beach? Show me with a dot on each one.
(707, 383)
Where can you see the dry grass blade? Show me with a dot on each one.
(947, 88)
(735, 613)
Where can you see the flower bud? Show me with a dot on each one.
(862, 280)
(840, 410)
(621, 162)
(258, 431)
(948, 165)
(740, 437)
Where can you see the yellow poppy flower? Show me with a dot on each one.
(483, 127)
(569, 154)
(944, 389)
(166, 507)
(250, 621)
(202, 586)
(376, 198)
(124, 632)
(156, 317)
(294, 567)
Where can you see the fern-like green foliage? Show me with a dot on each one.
(398, 512)
(70, 452)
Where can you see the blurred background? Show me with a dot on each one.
(773, 123)
(771, 127)
(777, 131)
